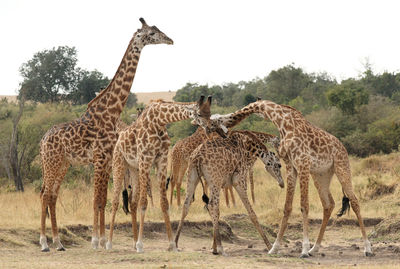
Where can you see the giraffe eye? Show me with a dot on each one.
(152, 34)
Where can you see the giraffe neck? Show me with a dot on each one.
(278, 114)
(250, 143)
(113, 98)
(171, 112)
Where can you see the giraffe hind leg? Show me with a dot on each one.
(342, 171)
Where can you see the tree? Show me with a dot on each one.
(15, 156)
(89, 83)
(348, 96)
(50, 73)
(132, 100)
(285, 84)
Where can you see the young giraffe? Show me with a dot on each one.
(91, 139)
(306, 149)
(180, 160)
(223, 162)
(144, 144)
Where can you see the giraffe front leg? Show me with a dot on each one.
(119, 173)
(213, 209)
(304, 175)
(97, 203)
(291, 184)
(43, 239)
(193, 180)
(161, 174)
(242, 191)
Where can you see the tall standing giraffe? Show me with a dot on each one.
(307, 150)
(144, 144)
(91, 139)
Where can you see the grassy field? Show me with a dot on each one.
(375, 180)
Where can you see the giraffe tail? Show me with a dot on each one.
(168, 180)
(41, 194)
(345, 205)
(205, 198)
(125, 199)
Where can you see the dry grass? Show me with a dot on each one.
(20, 217)
(75, 205)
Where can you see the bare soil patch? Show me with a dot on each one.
(342, 246)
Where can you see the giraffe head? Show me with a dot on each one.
(148, 35)
(202, 112)
(218, 124)
(273, 166)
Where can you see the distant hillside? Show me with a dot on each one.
(10, 98)
(143, 97)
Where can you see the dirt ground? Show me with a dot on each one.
(342, 247)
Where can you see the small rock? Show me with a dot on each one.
(340, 252)
(250, 246)
(203, 248)
(286, 245)
(396, 250)
(354, 246)
(298, 244)
(322, 254)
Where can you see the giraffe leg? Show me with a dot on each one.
(161, 174)
(53, 178)
(192, 182)
(134, 205)
(322, 182)
(150, 194)
(172, 187)
(242, 192)
(291, 184)
(182, 170)
(304, 174)
(213, 208)
(144, 171)
(226, 197)
(100, 197)
(342, 171)
(230, 189)
(251, 180)
(119, 173)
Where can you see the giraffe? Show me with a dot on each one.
(222, 162)
(144, 144)
(120, 126)
(91, 139)
(306, 150)
(180, 157)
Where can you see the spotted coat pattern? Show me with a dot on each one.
(223, 162)
(143, 145)
(91, 139)
(307, 150)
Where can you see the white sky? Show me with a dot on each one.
(215, 41)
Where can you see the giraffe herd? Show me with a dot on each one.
(214, 156)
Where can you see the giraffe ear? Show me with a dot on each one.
(209, 99)
(143, 22)
(201, 100)
(258, 98)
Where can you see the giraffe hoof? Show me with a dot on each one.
(304, 255)
(45, 250)
(369, 254)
